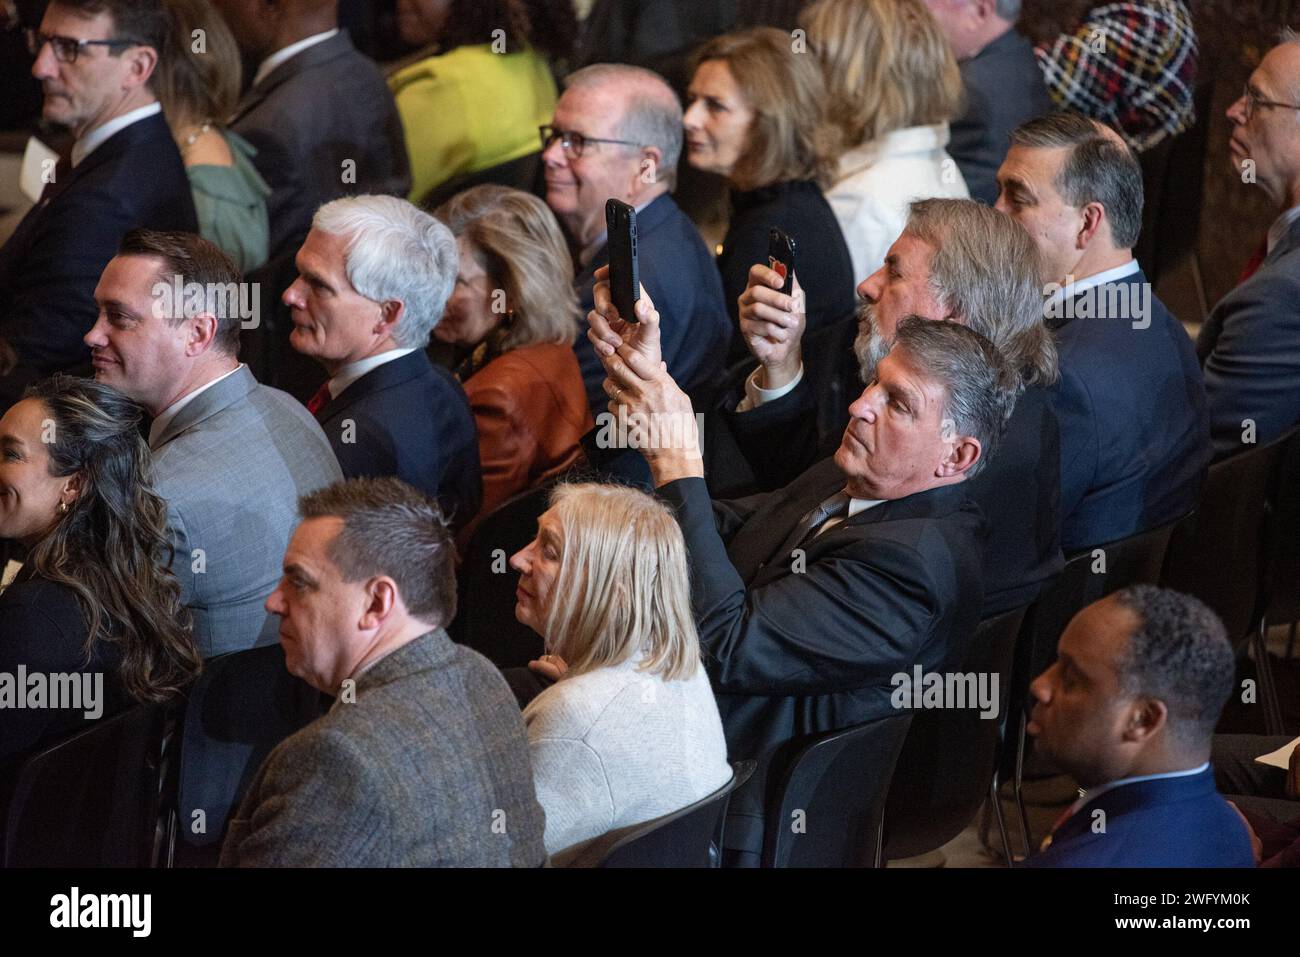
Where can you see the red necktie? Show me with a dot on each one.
(1254, 263)
(317, 402)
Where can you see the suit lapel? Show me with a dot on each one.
(220, 396)
(322, 52)
(390, 374)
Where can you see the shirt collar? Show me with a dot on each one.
(353, 371)
(166, 416)
(1088, 796)
(93, 139)
(1074, 286)
(280, 56)
(1281, 226)
(857, 505)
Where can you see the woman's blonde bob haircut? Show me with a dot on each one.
(519, 245)
(788, 137)
(887, 66)
(622, 591)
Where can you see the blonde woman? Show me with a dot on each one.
(630, 731)
(892, 87)
(512, 318)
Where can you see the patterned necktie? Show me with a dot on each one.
(318, 401)
(837, 504)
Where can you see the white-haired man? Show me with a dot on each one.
(373, 277)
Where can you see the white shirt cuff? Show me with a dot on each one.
(755, 396)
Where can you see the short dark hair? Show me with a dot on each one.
(1099, 169)
(194, 260)
(982, 386)
(144, 21)
(1179, 653)
(390, 528)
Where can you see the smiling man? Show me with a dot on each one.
(373, 280)
(230, 456)
(809, 599)
(95, 60)
(617, 133)
(423, 759)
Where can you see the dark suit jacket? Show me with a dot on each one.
(1004, 88)
(50, 266)
(307, 146)
(427, 767)
(1135, 435)
(679, 274)
(410, 419)
(796, 651)
(1250, 351)
(1171, 822)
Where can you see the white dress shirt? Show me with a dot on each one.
(93, 139)
(1076, 286)
(166, 415)
(279, 56)
(353, 371)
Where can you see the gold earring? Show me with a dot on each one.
(63, 508)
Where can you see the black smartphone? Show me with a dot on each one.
(624, 283)
(780, 256)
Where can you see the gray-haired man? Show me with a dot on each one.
(423, 759)
(373, 278)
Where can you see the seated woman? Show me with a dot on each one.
(512, 318)
(474, 97)
(198, 89)
(94, 595)
(755, 114)
(630, 731)
(892, 86)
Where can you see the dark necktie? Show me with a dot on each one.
(837, 504)
(319, 400)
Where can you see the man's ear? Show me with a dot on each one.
(202, 333)
(963, 454)
(1146, 717)
(381, 597)
(390, 315)
(1094, 217)
(141, 60)
(649, 170)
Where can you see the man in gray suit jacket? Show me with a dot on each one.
(231, 457)
(423, 759)
(1250, 346)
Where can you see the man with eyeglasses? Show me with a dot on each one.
(617, 133)
(1250, 346)
(95, 60)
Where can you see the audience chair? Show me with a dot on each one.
(949, 762)
(690, 837)
(526, 173)
(93, 799)
(1280, 599)
(827, 800)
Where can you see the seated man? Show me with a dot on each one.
(618, 133)
(956, 260)
(124, 173)
(1135, 433)
(1001, 81)
(423, 759)
(230, 456)
(1250, 344)
(1128, 710)
(373, 278)
(808, 600)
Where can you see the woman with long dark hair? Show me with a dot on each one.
(95, 595)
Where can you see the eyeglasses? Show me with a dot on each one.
(1254, 101)
(574, 144)
(66, 49)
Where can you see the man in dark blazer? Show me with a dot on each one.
(310, 151)
(1129, 710)
(1135, 435)
(386, 409)
(422, 761)
(956, 260)
(1250, 345)
(811, 600)
(629, 136)
(1002, 82)
(124, 172)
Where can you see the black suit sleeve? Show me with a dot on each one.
(842, 624)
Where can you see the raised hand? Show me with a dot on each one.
(773, 325)
(608, 331)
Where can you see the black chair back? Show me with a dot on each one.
(827, 801)
(1282, 538)
(690, 837)
(525, 173)
(951, 754)
(485, 607)
(92, 800)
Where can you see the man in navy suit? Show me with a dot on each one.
(1250, 345)
(618, 133)
(373, 278)
(1135, 434)
(1129, 710)
(95, 62)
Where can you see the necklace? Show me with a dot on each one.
(193, 137)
